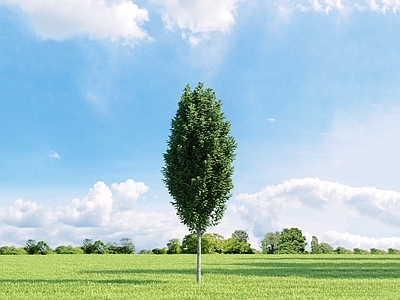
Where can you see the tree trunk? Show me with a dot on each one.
(198, 277)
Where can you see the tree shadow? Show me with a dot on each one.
(340, 268)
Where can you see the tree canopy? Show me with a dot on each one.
(198, 162)
(291, 241)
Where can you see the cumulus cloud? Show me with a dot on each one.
(197, 19)
(348, 240)
(93, 210)
(320, 206)
(24, 214)
(127, 193)
(328, 6)
(341, 215)
(97, 19)
(102, 214)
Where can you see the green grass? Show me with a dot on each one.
(224, 277)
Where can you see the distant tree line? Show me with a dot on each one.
(125, 246)
(292, 241)
(238, 243)
(287, 241)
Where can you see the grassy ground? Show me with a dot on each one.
(224, 277)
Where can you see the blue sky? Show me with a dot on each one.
(88, 90)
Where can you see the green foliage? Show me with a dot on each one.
(68, 250)
(126, 246)
(97, 247)
(198, 162)
(315, 248)
(159, 251)
(174, 246)
(360, 251)
(210, 243)
(268, 244)
(241, 236)
(145, 251)
(393, 251)
(342, 250)
(377, 251)
(291, 241)
(6, 250)
(233, 246)
(40, 248)
(326, 248)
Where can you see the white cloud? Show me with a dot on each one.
(24, 214)
(96, 216)
(271, 120)
(341, 215)
(55, 155)
(97, 19)
(128, 192)
(197, 19)
(328, 6)
(320, 207)
(351, 241)
(93, 210)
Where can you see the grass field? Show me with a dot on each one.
(224, 277)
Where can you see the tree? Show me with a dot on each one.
(68, 250)
(393, 251)
(198, 162)
(377, 251)
(268, 244)
(159, 250)
(97, 247)
(127, 246)
(6, 250)
(315, 247)
(241, 236)
(233, 246)
(30, 246)
(291, 241)
(360, 251)
(40, 247)
(342, 250)
(210, 243)
(145, 251)
(326, 248)
(174, 246)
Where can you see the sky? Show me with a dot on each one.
(88, 89)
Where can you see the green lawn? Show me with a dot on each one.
(224, 277)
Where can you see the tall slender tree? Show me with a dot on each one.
(198, 162)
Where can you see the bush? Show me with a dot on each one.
(326, 248)
(393, 251)
(360, 251)
(68, 250)
(342, 250)
(377, 251)
(6, 250)
(233, 246)
(159, 250)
